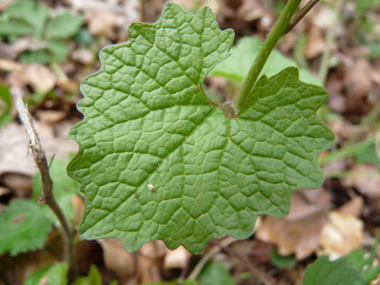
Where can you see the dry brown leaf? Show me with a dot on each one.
(341, 234)
(39, 76)
(116, 258)
(177, 258)
(50, 116)
(78, 206)
(14, 149)
(100, 21)
(11, 51)
(353, 207)
(357, 80)
(4, 4)
(335, 87)
(55, 139)
(14, 142)
(315, 42)
(300, 231)
(341, 128)
(84, 56)
(4, 191)
(10, 65)
(252, 10)
(150, 259)
(21, 184)
(366, 185)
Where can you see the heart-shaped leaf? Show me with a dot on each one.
(159, 160)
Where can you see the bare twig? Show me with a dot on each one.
(255, 271)
(184, 270)
(210, 254)
(298, 17)
(46, 196)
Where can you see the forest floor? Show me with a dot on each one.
(338, 42)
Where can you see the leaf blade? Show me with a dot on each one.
(157, 159)
(23, 226)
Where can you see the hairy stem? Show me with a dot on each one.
(47, 196)
(298, 17)
(270, 42)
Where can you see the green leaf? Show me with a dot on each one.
(94, 278)
(5, 105)
(326, 272)
(215, 273)
(59, 50)
(236, 67)
(157, 160)
(364, 265)
(35, 278)
(81, 281)
(40, 56)
(64, 189)
(15, 29)
(23, 226)
(56, 275)
(83, 37)
(368, 155)
(63, 26)
(29, 12)
(56, 51)
(282, 261)
(190, 282)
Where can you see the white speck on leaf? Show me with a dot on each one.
(151, 187)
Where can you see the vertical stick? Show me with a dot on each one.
(46, 196)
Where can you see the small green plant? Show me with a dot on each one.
(282, 261)
(25, 224)
(57, 275)
(30, 18)
(213, 167)
(5, 105)
(215, 273)
(354, 269)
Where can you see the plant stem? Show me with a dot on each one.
(324, 67)
(344, 174)
(210, 254)
(47, 184)
(345, 152)
(270, 42)
(298, 17)
(367, 123)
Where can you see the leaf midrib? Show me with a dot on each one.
(155, 170)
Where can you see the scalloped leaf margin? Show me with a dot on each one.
(159, 160)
